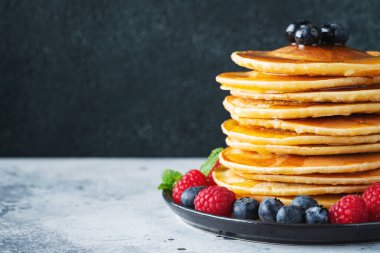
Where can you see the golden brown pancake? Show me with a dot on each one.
(342, 95)
(353, 125)
(250, 108)
(269, 83)
(270, 136)
(305, 150)
(312, 61)
(227, 178)
(253, 162)
(366, 177)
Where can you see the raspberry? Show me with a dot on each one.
(215, 200)
(190, 179)
(210, 179)
(349, 209)
(371, 197)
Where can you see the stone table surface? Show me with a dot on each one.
(107, 205)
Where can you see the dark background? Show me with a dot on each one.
(136, 78)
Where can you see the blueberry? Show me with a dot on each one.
(307, 35)
(327, 34)
(317, 215)
(246, 208)
(304, 201)
(291, 29)
(334, 34)
(188, 196)
(291, 214)
(268, 209)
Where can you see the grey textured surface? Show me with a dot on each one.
(100, 205)
(136, 77)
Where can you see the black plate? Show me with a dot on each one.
(276, 232)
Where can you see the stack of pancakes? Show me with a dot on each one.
(305, 121)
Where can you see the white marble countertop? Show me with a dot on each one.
(107, 205)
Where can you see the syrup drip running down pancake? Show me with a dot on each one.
(312, 61)
(267, 136)
(250, 108)
(253, 162)
(242, 186)
(270, 83)
(353, 125)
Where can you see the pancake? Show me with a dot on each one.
(253, 162)
(326, 200)
(263, 82)
(353, 125)
(367, 177)
(306, 150)
(241, 186)
(264, 136)
(346, 95)
(250, 108)
(312, 61)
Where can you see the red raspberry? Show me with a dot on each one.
(190, 179)
(215, 200)
(210, 179)
(371, 197)
(349, 209)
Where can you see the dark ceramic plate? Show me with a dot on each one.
(275, 232)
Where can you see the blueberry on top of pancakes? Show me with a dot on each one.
(307, 35)
(334, 34)
(292, 27)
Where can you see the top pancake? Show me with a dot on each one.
(312, 61)
(269, 83)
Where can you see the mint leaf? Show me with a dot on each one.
(169, 178)
(211, 161)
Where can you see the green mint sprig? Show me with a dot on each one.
(211, 161)
(169, 178)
